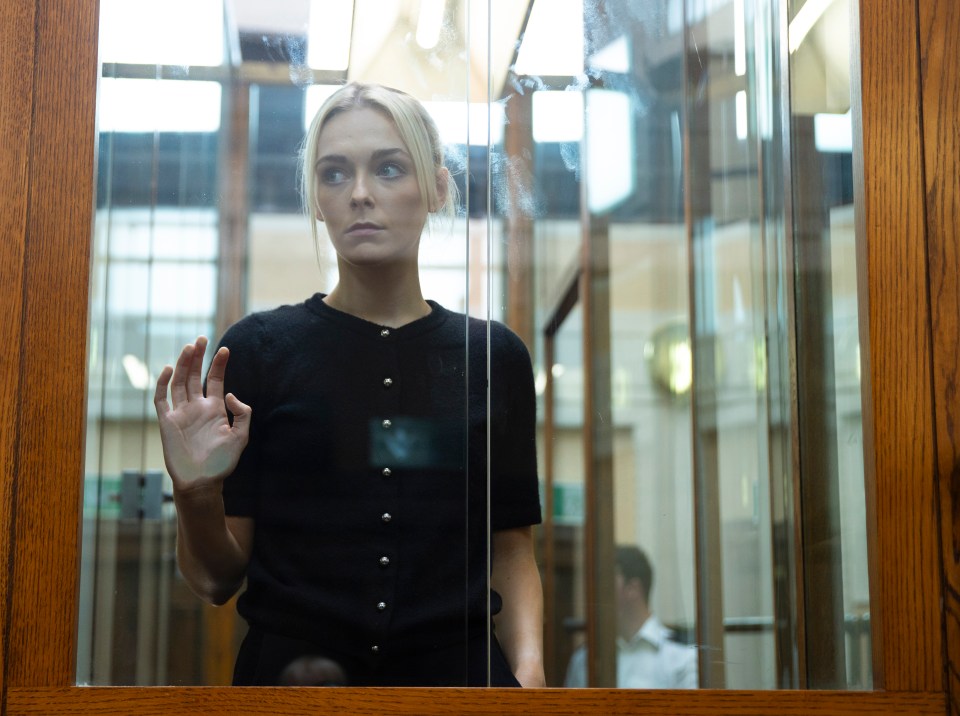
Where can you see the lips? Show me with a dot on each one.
(364, 228)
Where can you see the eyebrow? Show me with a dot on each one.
(377, 154)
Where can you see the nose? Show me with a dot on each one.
(361, 196)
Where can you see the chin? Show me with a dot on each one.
(369, 255)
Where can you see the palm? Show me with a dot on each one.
(198, 439)
(199, 443)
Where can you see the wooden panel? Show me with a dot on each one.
(234, 180)
(940, 90)
(825, 663)
(49, 369)
(906, 581)
(518, 146)
(610, 702)
(16, 53)
(47, 482)
(599, 554)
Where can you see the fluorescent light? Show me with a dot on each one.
(430, 23)
(132, 105)
(454, 118)
(739, 40)
(804, 20)
(328, 35)
(833, 132)
(553, 41)
(174, 32)
(613, 57)
(557, 116)
(610, 149)
(741, 111)
(137, 372)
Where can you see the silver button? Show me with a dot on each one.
(375, 649)
(384, 561)
(387, 382)
(381, 606)
(386, 517)
(387, 423)
(387, 472)
(384, 332)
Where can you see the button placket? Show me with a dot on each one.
(388, 406)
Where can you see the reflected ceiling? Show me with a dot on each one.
(434, 49)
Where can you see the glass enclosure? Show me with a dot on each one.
(656, 197)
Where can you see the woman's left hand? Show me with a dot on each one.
(519, 624)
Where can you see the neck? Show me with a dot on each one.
(386, 296)
(630, 623)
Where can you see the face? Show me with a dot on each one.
(367, 190)
(629, 593)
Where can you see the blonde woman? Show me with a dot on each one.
(340, 465)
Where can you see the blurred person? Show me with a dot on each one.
(648, 656)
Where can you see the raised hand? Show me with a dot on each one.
(200, 446)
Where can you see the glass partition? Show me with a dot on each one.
(657, 200)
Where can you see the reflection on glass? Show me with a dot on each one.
(145, 240)
(670, 233)
(667, 211)
(149, 33)
(207, 201)
(567, 481)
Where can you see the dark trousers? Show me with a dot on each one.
(268, 659)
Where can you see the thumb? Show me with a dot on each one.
(241, 414)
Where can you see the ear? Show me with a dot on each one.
(443, 177)
(318, 215)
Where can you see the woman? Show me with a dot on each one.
(340, 465)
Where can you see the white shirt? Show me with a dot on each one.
(648, 660)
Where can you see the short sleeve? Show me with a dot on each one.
(244, 339)
(515, 494)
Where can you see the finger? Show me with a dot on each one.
(241, 416)
(218, 368)
(160, 394)
(195, 379)
(178, 384)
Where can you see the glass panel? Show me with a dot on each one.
(668, 233)
(155, 228)
(199, 224)
(837, 604)
(567, 483)
(703, 219)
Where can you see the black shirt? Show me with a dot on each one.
(366, 473)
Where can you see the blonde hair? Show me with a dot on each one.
(415, 127)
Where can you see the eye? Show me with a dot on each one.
(391, 170)
(332, 175)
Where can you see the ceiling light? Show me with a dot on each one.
(328, 36)
(430, 23)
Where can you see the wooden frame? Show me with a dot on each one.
(910, 92)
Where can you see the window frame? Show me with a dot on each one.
(48, 77)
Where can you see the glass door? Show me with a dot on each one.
(657, 199)
(703, 203)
